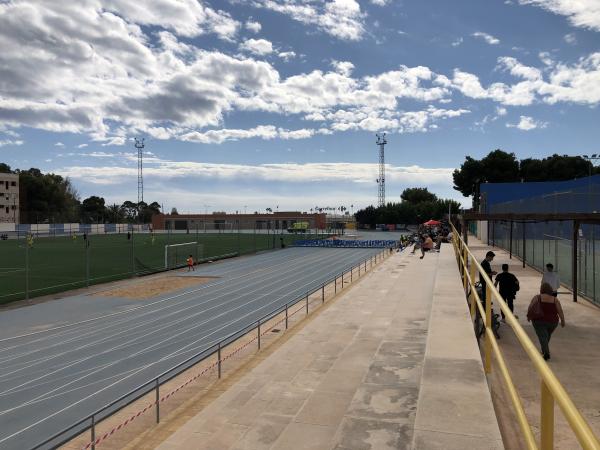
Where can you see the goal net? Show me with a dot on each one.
(176, 254)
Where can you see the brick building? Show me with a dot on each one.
(223, 221)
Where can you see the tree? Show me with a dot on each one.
(93, 210)
(501, 167)
(47, 198)
(145, 212)
(114, 213)
(174, 211)
(417, 195)
(130, 211)
(425, 206)
(557, 168)
(467, 178)
(5, 168)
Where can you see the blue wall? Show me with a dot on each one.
(494, 193)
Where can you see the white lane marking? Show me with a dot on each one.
(110, 315)
(226, 285)
(116, 382)
(278, 282)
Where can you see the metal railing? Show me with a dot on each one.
(551, 389)
(91, 421)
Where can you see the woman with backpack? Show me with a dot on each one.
(544, 313)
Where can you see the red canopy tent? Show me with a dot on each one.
(431, 223)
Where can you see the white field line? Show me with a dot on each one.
(278, 282)
(161, 319)
(114, 383)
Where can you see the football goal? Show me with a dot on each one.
(177, 254)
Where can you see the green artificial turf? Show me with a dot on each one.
(60, 263)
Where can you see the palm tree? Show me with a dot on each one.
(115, 213)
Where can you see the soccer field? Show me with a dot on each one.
(61, 263)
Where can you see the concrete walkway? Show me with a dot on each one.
(575, 352)
(391, 363)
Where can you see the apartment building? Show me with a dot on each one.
(9, 198)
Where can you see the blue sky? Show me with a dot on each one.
(246, 105)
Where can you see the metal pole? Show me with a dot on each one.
(473, 300)
(286, 316)
(335, 285)
(351, 270)
(93, 430)
(87, 262)
(574, 258)
(219, 358)
(547, 419)
(594, 263)
(26, 270)
(524, 248)
(323, 294)
(259, 334)
(157, 402)
(488, 326)
(307, 303)
(132, 255)
(342, 280)
(510, 244)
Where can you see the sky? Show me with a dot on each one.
(245, 105)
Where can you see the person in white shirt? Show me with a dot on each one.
(551, 278)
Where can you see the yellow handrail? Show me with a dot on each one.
(552, 390)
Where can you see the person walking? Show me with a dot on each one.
(509, 286)
(190, 263)
(552, 278)
(427, 245)
(485, 264)
(544, 313)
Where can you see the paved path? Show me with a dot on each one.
(575, 352)
(390, 364)
(62, 360)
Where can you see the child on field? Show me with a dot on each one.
(190, 263)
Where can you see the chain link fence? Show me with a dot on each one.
(36, 263)
(551, 241)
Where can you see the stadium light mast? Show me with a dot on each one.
(381, 141)
(139, 145)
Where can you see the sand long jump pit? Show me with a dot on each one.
(146, 289)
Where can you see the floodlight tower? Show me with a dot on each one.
(139, 145)
(381, 141)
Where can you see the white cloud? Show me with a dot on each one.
(257, 46)
(527, 123)
(342, 19)
(6, 142)
(457, 42)
(263, 132)
(577, 83)
(500, 111)
(343, 67)
(287, 56)
(282, 172)
(184, 17)
(82, 145)
(59, 144)
(380, 2)
(581, 13)
(486, 37)
(98, 73)
(253, 26)
(570, 38)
